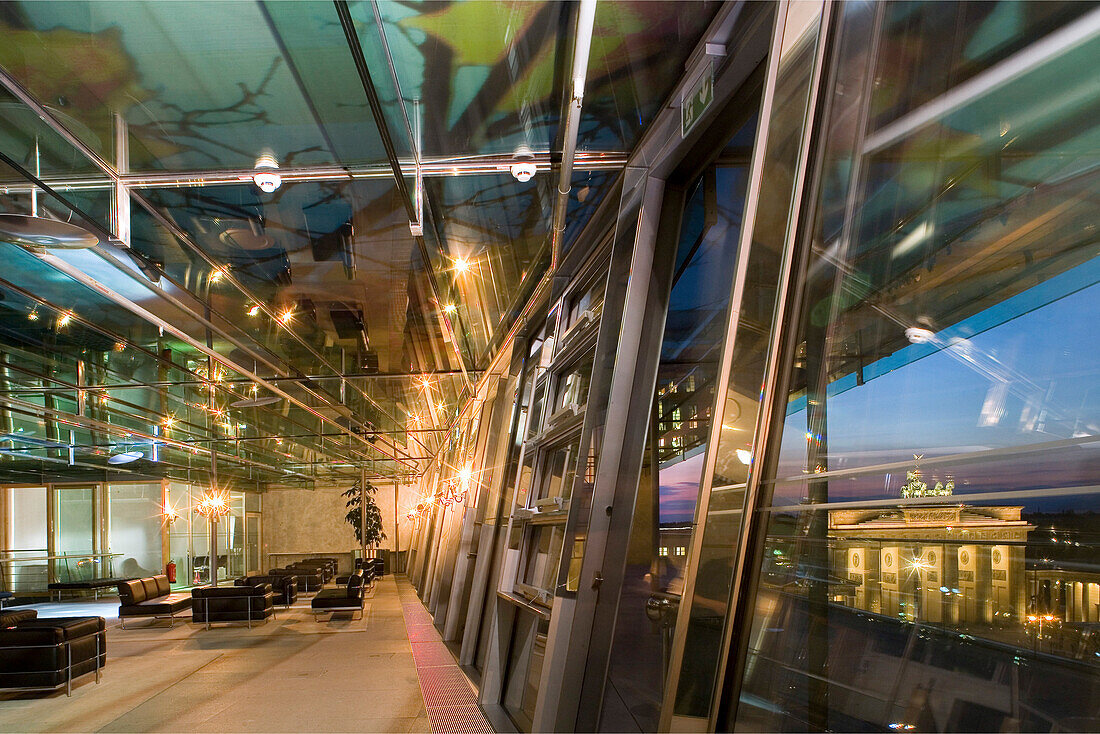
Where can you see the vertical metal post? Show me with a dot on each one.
(363, 511)
(396, 528)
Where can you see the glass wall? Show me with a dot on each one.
(930, 556)
(123, 529)
(135, 528)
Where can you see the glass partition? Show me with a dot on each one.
(27, 537)
(135, 528)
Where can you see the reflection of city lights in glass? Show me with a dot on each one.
(169, 422)
(33, 315)
(253, 311)
(286, 316)
(462, 265)
(64, 319)
(450, 308)
(216, 275)
(744, 456)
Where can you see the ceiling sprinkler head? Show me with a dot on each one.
(265, 177)
(524, 166)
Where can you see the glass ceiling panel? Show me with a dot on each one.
(201, 85)
(639, 49)
(330, 260)
(487, 72)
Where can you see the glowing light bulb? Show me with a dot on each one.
(286, 316)
(462, 265)
(64, 319)
(450, 308)
(216, 275)
(169, 422)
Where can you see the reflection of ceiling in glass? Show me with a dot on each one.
(298, 334)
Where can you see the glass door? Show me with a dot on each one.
(74, 535)
(252, 549)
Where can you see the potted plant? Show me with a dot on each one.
(368, 530)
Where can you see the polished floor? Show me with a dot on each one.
(291, 674)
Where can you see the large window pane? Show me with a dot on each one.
(721, 526)
(931, 557)
(669, 486)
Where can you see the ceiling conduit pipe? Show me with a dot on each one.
(586, 20)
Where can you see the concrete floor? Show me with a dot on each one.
(291, 674)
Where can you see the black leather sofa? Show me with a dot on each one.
(346, 598)
(325, 566)
(285, 587)
(150, 597)
(249, 604)
(308, 580)
(92, 585)
(48, 654)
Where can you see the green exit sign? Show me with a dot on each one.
(696, 101)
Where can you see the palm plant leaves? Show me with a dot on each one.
(372, 524)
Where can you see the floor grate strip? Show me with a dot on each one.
(448, 696)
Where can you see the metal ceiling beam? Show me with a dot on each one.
(432, 167)
(200, 382)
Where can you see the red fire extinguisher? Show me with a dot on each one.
(170, 569)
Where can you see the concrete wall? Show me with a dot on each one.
(311, 522)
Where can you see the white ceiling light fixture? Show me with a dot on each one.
(919, 335)
(126, 457)
(266, 176)
(524, 166)
(40, 232)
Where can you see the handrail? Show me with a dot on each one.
(63, 556)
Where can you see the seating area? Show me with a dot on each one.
(49, 654)
(291, 673)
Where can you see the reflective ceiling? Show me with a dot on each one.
(302, 334)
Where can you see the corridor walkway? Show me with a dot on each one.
(292, 674)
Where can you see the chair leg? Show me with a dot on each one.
(69, 670)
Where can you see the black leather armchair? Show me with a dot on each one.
(285, 587)
(47, 654)
(232, 604)
(347, 598)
